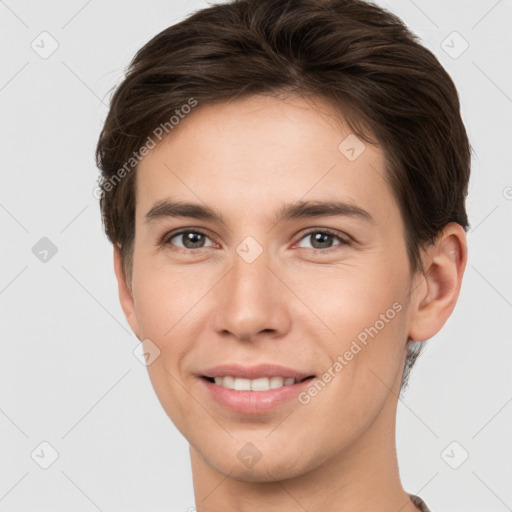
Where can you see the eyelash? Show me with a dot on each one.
(165, 241)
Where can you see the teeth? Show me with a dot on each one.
(259, 384)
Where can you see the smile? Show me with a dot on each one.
(258, 384)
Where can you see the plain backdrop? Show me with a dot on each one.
(74, 397)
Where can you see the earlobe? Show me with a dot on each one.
(125, 293)
(446, 262)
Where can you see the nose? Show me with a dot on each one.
(252, 300)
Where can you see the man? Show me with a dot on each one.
(284, 183)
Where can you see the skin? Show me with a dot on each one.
(291, 306)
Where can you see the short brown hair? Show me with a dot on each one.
(390, 90)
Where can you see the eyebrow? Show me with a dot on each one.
(294, 211)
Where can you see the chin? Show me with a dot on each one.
(267, 469)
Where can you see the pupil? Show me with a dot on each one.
(190, 239)
(318, 237)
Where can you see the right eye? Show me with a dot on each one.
(190, 238)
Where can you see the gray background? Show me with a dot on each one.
(68, 376)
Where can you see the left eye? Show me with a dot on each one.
(323, 239)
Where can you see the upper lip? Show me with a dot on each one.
(253, 372)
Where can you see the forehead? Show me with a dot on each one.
(255, 154)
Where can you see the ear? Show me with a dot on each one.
(437, 289)
(125, 293)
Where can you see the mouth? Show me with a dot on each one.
(258, 384)
(251, 397)
(254, 389)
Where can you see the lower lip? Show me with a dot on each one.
(254, 402)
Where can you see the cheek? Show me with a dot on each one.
(162, 296)
(164, 303)
(366, 312)
(367, 357)
(350, 299)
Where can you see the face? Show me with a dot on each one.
(321, 295)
